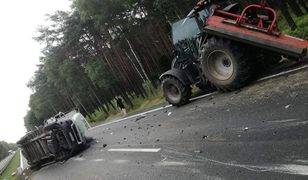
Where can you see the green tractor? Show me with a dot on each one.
(218, 45)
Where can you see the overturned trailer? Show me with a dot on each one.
(61, 137)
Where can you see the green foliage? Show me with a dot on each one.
(5, 147)
(301, 31)
(11, 168)
(100, 74)
(102, 49)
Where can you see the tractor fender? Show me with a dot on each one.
(180, 75)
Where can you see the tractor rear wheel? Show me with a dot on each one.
(225, 64)
(175, 92)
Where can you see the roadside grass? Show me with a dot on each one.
(11, 168)
(155, 97)
(301, 31)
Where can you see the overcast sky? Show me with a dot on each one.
(19, 54)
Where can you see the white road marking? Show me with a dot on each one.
(203, 96)
(120, 161)
(282, 121)
(135, 150)
(171, 163)
(79, 159)
(199, 97)
(283, 73)
(21, 160)
(98, 160)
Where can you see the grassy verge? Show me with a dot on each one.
(155, 97)
(302, 24)
(11, 168)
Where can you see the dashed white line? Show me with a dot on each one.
(152, 150)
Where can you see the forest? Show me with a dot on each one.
(102, 49)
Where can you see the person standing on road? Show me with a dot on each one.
(121, 105)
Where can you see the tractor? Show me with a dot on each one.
(218, 45)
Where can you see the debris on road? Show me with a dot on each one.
(140, 117)
(246, 129)
(287, 106)
(169, 113)
(104, 145)
(205, 137)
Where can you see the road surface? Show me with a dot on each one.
(260, 132)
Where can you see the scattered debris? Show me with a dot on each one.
(198, 151)
(14, 173)
(246, 129)
(287, 106)
(140, 117)
(104, 145)
(205, 137)
(169, 113)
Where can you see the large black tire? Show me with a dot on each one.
(175, 92)
(225, 64)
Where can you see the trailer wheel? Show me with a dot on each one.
(175, 92)
(225, 65)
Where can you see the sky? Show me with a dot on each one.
(19, 55)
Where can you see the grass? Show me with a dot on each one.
(302, 24)
(11, 168)
(155, 97)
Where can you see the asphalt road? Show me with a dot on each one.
(260, 132)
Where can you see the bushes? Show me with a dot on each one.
(302, 29)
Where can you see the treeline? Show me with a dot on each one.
(4, 149)
(99, 50)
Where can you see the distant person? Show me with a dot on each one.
(121, 105)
